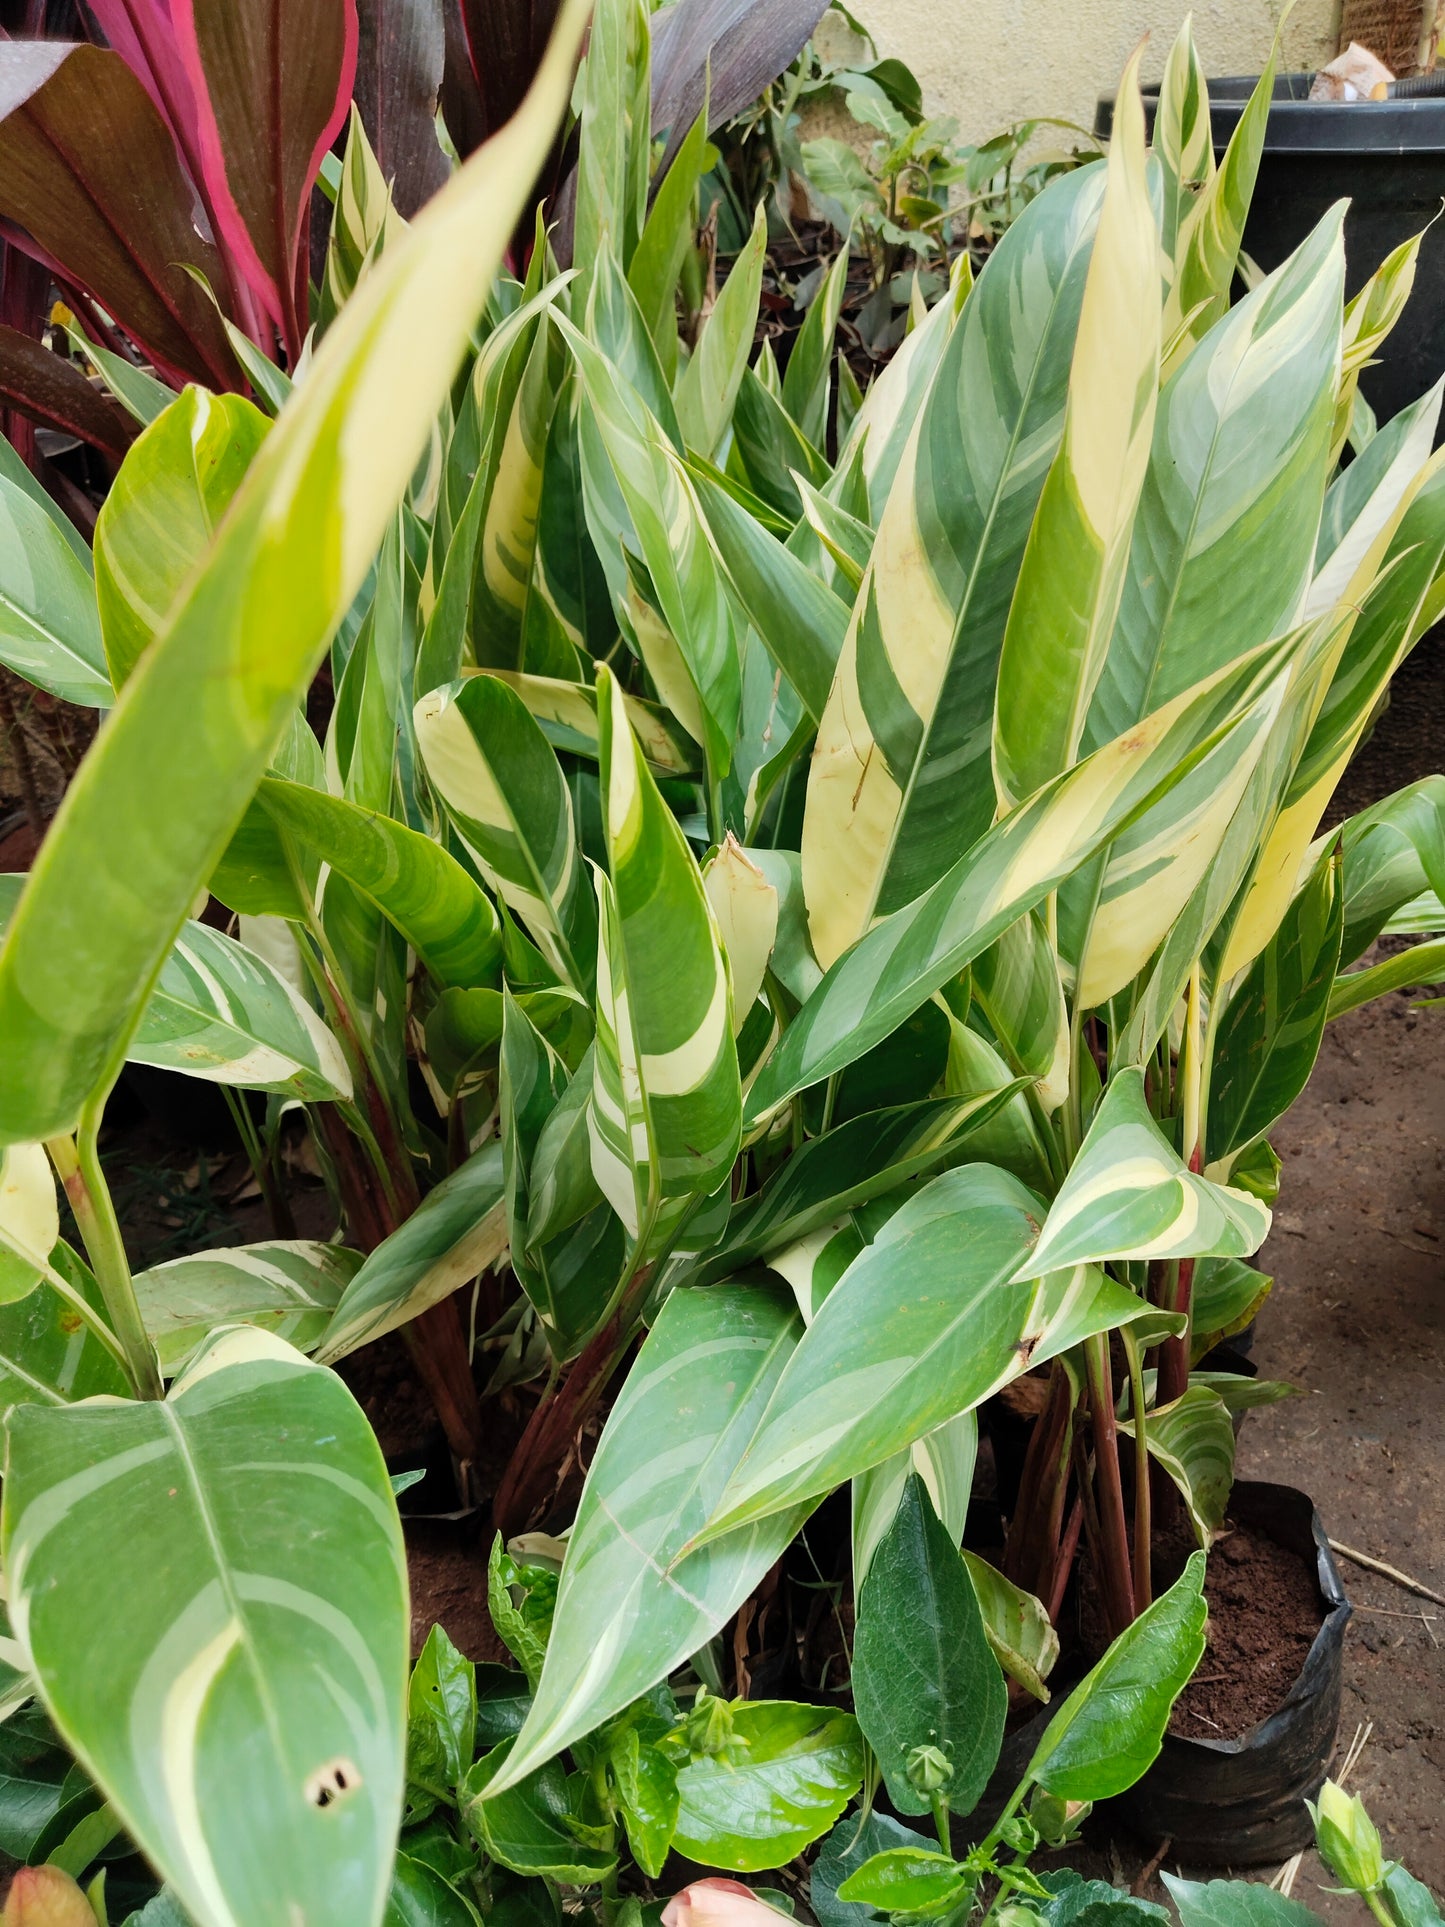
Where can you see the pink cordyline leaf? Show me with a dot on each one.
(144, 35)
(719, 1903)
(272, 81)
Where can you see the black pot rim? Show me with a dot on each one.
(1363, 129)
(1337, 1613)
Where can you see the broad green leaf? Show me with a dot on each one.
(215, 691)
(569, 606)
(1227, 1294)
(808, 378)
(442, 1699)
(923, 1672)
(1129, 1195)
(1206, 245)
(647, 1793)
(49, 1355)
(49, 630)
(15, 472)
(857, 1838)
(923, 1325)
(1394, 853)
(1222, 554)
(895, 968)
(667, 536)
(630, 1608)
(907, 1880)
(945, 1461)
(900, 782)
(29, 1219)
(1410, 1901)
(1193, 1439)
(829, 1175)
(1017, 986)
(457, 1231)
(524, 1823)
(1266, 1042)
(505, 792)
(1235, 1903)
(288, 1287)
(1094, 1903)
(1360, 502)
(1016, 1625)
(1422, 963)
(220, 1012)
(666, 1102)
(616, 326)
(248, 1723)
(768, 448)
(422, 1897)
(1183, 147)
(794, 1770)
(34, 1770)
(158, 521)
(1072, 573)
(562, 1187)
(848, 540)
(709, 385)
(443, 914)
(1108, 1731)
(800, 619)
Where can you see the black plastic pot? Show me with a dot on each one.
(1387, 158)
(1241, 1803)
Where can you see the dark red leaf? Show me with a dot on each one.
(506, 39)
(53, 392)
(141, 33)
(273, 81)
(398, 78)
(747, 42)
(89, 170)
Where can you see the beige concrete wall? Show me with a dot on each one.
(993, 62)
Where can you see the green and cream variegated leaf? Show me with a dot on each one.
(29, 1219)
(925, 1323)
(1193, 1439)
(900, 781)
(221, 1012)
(287, 1286)
(808, 378)
(1129, 1195)
(1361, 502)
(505, 792)
(1183, 146)
(665, 1119)
(1016, 1625)
(161, 515)
(633, 1604)
(215, 692)
(1394, 855)
(708, 387)
(1422, 963)
(49, 631)
(1370, 316)
(49, 1355)
(1206, 245)
(569, 617)
(615, 133)
(1072, 572)
(671, 542)
(507, 542)
(895, 968)
(442, 912)
(363, 223)
(1395, 613)
(458, 1231)
(566, 713)
(248, 1725)
(745, 909)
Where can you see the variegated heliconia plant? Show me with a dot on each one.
(830, 894)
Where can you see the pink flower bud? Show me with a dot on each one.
(46, 1897)
(718, 1903)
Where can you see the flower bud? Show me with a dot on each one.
(719, 1903)
(708, 1728)
(929, 1769)
(1057, 1820)
(46, 1897)
(1348, 1839)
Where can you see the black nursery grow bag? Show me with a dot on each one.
(1241, 1803)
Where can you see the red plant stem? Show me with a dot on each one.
(1033, 1537)
(1068, 1550)
(1115, 1573)
(531, 1475)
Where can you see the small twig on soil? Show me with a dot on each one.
(1150, 1867)
(1283, 1882)
(1205, 1717)
(1388, 1572)
(1388, 1612)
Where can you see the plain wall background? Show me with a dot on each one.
(993, 62)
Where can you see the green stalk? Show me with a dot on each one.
(940, 1822)
(77, 1163)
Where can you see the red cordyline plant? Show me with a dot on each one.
(163, 183)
